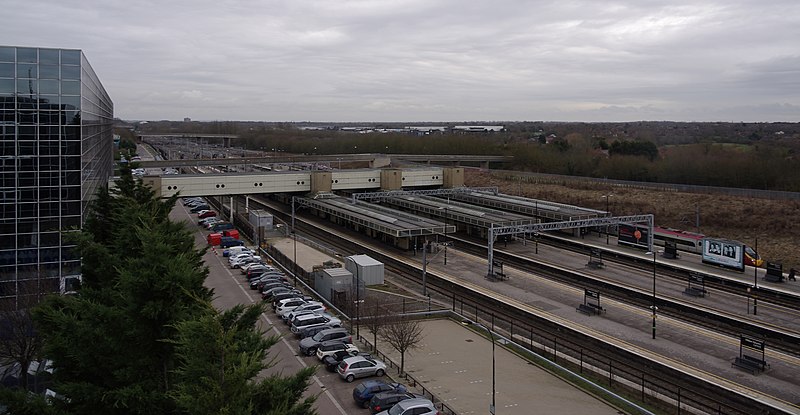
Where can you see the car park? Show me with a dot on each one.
(364, 391)
(384, 401)
(308, 346)
(331, 346)
(415, 406)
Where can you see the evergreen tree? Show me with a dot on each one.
(141, 336)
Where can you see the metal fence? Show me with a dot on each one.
(559, 179)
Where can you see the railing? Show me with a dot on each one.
(529, 177)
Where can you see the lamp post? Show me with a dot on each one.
(654, 293)
(755, 281)
(607, 197)
(492, 406)
(445, 235)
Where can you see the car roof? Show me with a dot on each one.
(413, 402)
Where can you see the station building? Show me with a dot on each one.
(56, 150)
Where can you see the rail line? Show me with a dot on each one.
(653, 374)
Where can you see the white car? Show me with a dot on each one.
(241, 255)
(246, 267)
(246, 260)
(311, 306)
(288, 304)
(332, 346)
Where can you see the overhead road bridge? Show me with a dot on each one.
(374, 160)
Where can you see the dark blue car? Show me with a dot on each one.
(364, 392)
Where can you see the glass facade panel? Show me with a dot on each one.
(6, 70)
(7, 54)
(55, 151)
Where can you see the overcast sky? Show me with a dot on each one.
(430, 60)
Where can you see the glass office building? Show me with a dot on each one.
(56, 149)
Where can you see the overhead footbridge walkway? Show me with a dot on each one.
(308, 181)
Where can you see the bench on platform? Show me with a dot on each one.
(750, 364)
(590, 309)
(695, 292)
(595, 264)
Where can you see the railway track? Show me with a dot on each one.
(684, 386)
(778, 338)
(665, 269)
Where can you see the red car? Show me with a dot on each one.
(206, 214)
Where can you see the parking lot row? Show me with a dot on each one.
(310, 338)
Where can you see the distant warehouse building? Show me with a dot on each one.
(56, 130)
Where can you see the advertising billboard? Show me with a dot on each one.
(628, 236)
(723, 252)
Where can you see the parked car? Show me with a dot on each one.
(309, 345)
(364, 392)
(289, 318)
(384, 401)
(359, 367)
(311, 320)
(291, 293)
(206, 214)
(275, 275)
(227, 242)
(189, 200)
(221, 226)
(236, 257)
(256, 268)
(245, 260)
(205, 222)
(331, 346)
(310, 331)
(288, 304)
(234, 250)
(415, 406)
(312, 306)
(198, 208)
(332, 361)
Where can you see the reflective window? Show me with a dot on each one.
(70, 72)
(6, 54)
(26, 55)
(49, 56)
(49, 86)
(71, 87)
(6, 70)
(28, 87)
(48, 71)
(27, 70)
(71, 57)
(7, 86)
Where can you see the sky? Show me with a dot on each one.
(430, 60)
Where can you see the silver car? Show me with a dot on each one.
(416, 406)
(359, 367)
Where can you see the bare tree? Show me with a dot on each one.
(403, 334)
(20, 343)
(373, 316)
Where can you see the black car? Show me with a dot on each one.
(385, 400)
(331, 361)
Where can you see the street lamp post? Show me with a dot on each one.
(755, 281)
(607, 197)
(654, 293)
(445, 235)
(492, 406)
